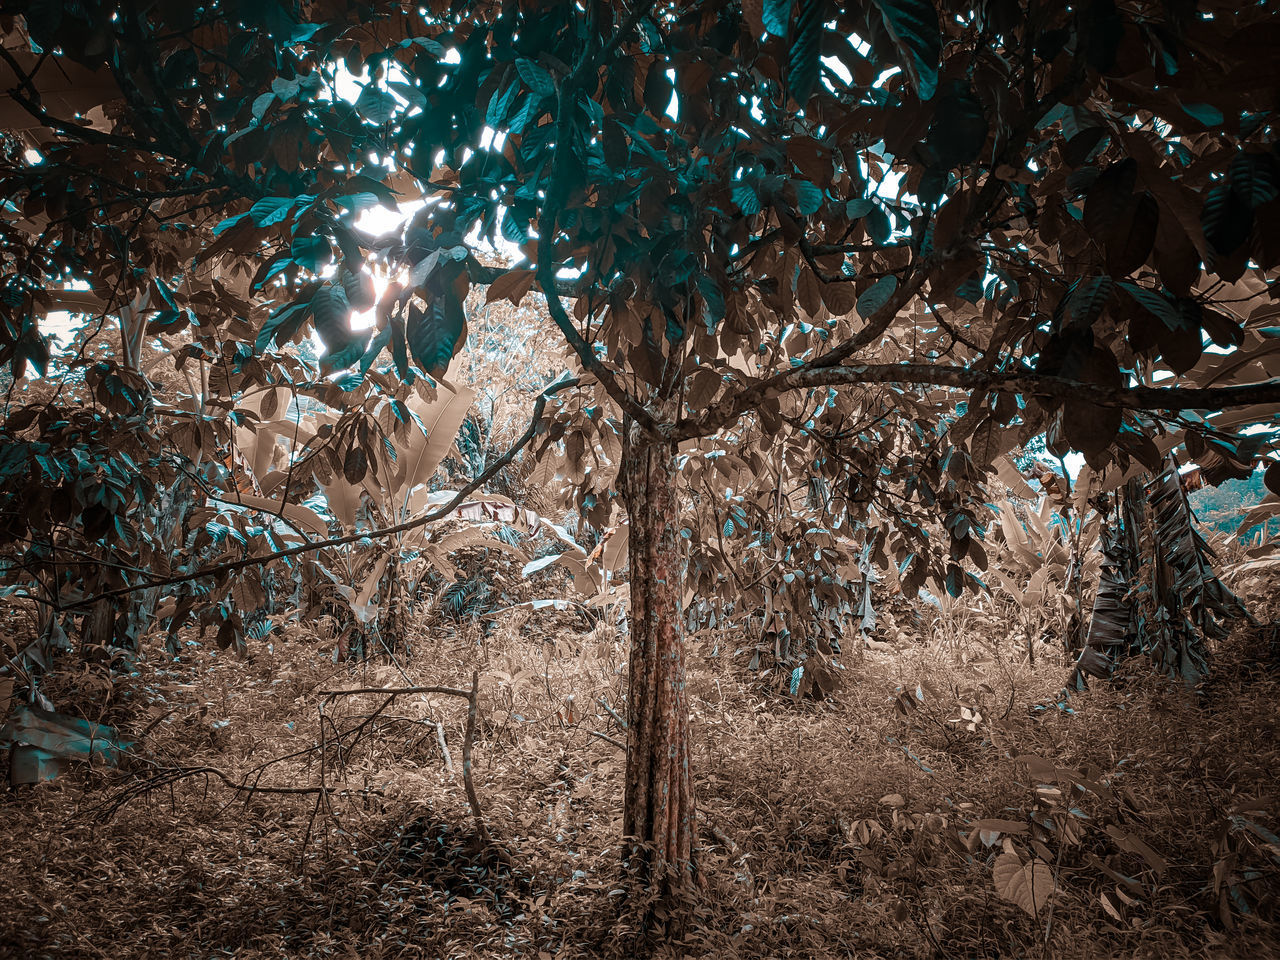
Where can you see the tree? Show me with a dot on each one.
(893, 236)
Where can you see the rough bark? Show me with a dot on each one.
(658, 810)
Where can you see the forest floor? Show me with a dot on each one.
(864, 827)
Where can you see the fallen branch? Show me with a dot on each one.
(397, 691)
(172, 775)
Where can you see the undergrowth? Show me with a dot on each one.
(865, 826)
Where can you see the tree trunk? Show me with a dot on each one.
(658, 809)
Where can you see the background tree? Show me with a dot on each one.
(897, 235)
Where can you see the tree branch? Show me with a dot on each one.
(530, 432)
(548, 222)
(1022, 382)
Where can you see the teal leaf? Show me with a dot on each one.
(282, 325)
(412, 95)
(376, 106)
(536, 77)
(1255, 178)
(878, 226)
(876, 296)
(913, 27)
(332, 311)
(746, 199)
(1203, 113)
(225, 225)
(305, 31)
(808, 197)
(513, 230)
(261, 104)
(500, 105)
(166, 294)
(358, 287)
(398, 352)
(803, 58)
(284, 89)
(859, 207)
(1226, 218)
(270, 210)
(434, 335)
(310, 253)
(713, 302)
(1158, 305)
(376, 346)
(955, 580)
(959, 127)
(1086, 300)
(529, 108)
(776, 15)
(357, 201)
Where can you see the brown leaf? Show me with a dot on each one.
(512, 285)
(1029, 886)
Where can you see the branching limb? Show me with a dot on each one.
(1025, 383)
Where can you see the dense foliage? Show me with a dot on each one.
(819, 270)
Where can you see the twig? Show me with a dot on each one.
(734, 851)
(444, 747)
(608, 739)
(156, 722)
(613, 713)
(481, 830)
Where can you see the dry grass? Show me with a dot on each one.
(849, 824)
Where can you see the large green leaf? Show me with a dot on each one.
(1085, 301)
(376, 106)
(332, 313)
(1226, 219)
(1130, 243)
(1255, 178)
(876, 296)
(539, 81)
(913, 25)
(310, 253)
(434, 335)
(269, 211)
(803, 60)
(417, 460)
(283, 324)
(959, 126)
(776, 15)
(808, 197)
